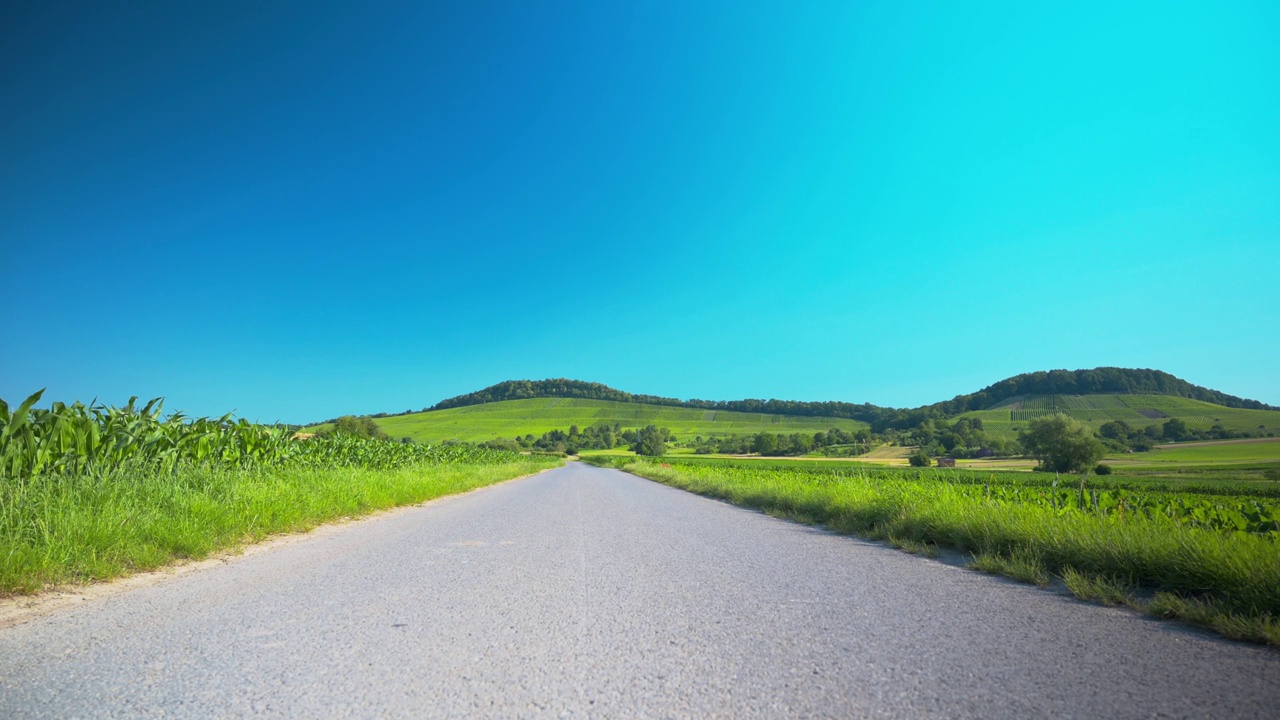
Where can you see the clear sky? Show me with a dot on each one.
(299, 210)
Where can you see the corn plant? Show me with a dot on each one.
(78, 438)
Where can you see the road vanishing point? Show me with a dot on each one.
(584, 592)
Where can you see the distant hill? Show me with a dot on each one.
(1098, 381)
(565, 388)
(551, 388)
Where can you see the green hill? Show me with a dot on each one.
(1008, 416)
(509, 418)
(1095, 381)
(1140, 397)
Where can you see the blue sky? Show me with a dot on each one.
(302, 210)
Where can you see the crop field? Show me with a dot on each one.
(1207, 554)
(1230, 452)
(1208, 467)
(91, 493)
(509, 418)
(1139, 411)
(1244, 460)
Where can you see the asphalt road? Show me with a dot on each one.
(591, 593)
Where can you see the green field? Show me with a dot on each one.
(509, 418)
(1012, 415)
(1228, 452)
(1211, 472)
(1220, 460)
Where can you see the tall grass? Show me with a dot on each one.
(94, 492)
(1228, 581)
(55, 529)
(1194, 481)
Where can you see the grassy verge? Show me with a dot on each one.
(1193, 482)
(59, 529)
(1225, 581)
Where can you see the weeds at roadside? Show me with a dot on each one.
(95, 492)
(55, 530)
(1212, 615)
(1019, 566)
(1108, 591)
(915, 547)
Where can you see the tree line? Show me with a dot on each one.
(834, 442)
(649, 440)
(1120, 435)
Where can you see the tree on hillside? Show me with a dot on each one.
(1175, 430)
(651, 441)
(361, 427)
(1115, 430)
(501, 444)
(1061, 444)
(764, 443)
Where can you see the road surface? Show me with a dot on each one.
(584, 592)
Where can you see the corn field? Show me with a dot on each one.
(78, 439)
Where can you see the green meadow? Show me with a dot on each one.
(1225, 463)
(509, 418)
(1225, 466)
(1226, 452)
